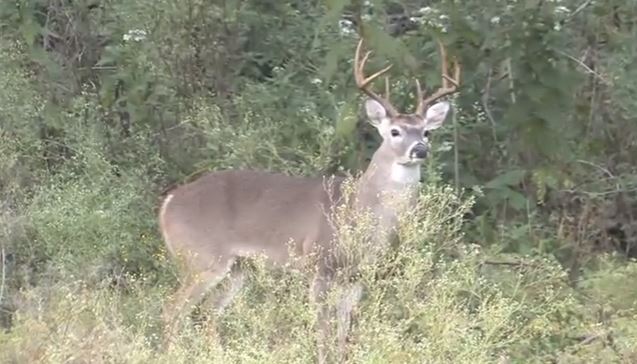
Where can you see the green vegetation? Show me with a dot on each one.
(523, 248)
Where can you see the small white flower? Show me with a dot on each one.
(444, 147)
(316, 81)
(346, 27)
(136, 35)
(495, 20)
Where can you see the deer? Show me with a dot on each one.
(226, 216)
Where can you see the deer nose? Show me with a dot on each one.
(419, 151)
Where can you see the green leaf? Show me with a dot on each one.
(30, 30)
(510, 178)
(516, 200)
(331, 64)
(346, 124)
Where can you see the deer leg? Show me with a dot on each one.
(226, 295)
(321, 285)
(347, 304)
(190, 294)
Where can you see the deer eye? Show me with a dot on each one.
(395, 132)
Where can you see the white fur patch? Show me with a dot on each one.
(162, 222)
(403, 174)
(164, 206)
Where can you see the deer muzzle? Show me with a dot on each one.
(419, 151)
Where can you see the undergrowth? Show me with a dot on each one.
(434, 299)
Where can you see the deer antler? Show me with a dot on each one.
(449, 83)
(363, 82)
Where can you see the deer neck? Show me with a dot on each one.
(386, 189)
(385, 176)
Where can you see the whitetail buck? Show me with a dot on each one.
(225, 216)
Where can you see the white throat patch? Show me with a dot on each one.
(404, 174)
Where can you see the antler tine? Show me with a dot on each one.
(450, 83)
(363, 82)
(443, 64)
(420, 95)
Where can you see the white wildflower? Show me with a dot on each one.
(495, 20)
(346, 27)
(444, 146)
(277, 70)
(136, 35)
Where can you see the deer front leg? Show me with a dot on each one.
(347, 304)
(320, 288)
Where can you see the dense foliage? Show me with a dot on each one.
(103, 104)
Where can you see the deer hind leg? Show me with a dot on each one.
(190, 294)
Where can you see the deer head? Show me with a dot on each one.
(406, 135)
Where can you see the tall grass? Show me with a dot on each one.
(434, 299)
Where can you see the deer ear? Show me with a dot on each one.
(436, 115)
(376, 113)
